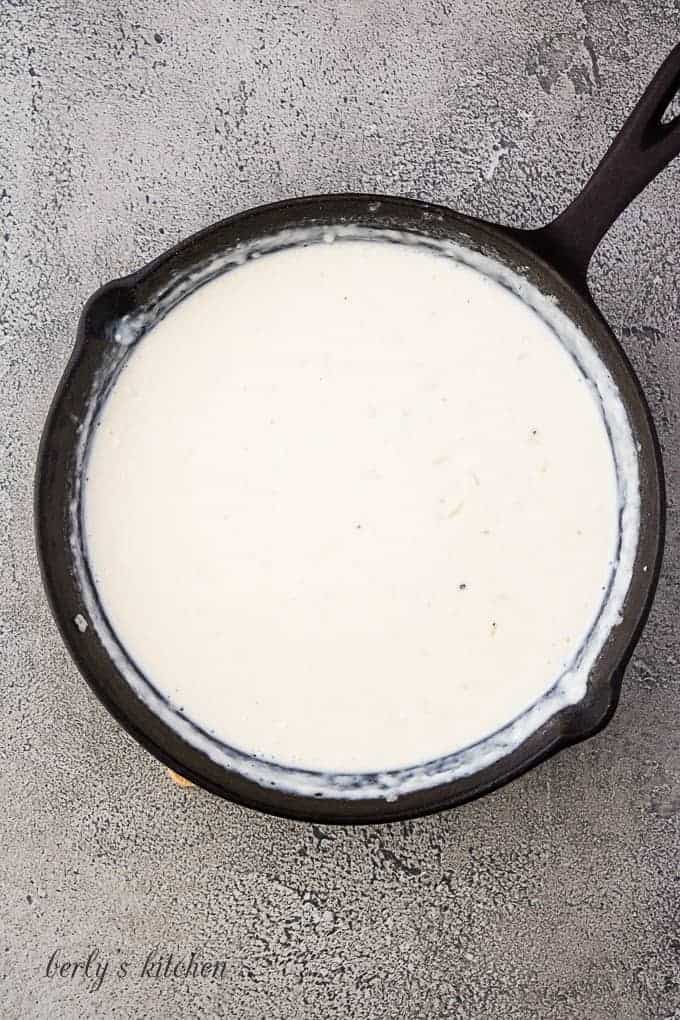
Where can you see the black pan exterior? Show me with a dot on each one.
(96, 359)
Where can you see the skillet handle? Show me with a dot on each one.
(643, 147)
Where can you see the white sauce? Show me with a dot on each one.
(354, 507)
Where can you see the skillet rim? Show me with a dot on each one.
(105, 307)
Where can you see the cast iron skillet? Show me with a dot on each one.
(555, 258)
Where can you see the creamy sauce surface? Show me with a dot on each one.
(351, 507)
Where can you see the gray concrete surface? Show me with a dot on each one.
(125, 126)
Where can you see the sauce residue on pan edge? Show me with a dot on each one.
(354, 507)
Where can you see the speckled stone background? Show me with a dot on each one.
(125, 126)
